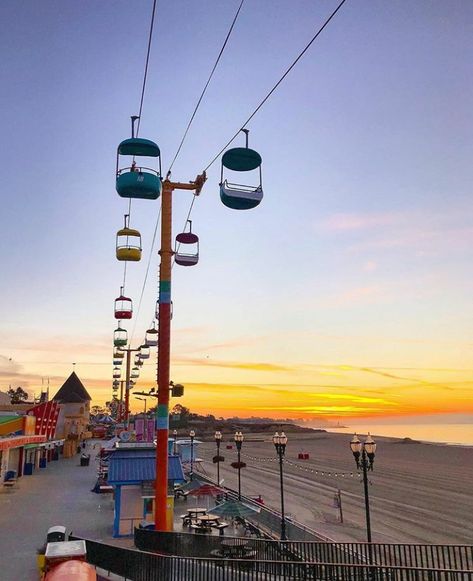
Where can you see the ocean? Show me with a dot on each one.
(460, 434)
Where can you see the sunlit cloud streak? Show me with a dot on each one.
(409, 229)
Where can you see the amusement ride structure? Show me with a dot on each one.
(139, 177)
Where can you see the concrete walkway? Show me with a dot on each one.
(57, 495)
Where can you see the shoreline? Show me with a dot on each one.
(406, 439)
(416, 432)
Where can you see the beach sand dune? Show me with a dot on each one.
(419, 492)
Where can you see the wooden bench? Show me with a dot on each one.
(186, 520)
(201, 529)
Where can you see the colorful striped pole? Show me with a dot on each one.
(127, 387)
(164, 347)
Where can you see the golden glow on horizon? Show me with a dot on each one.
(225, 387)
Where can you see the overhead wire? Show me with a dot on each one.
(288, 70)
(256, 110)
(146, 276)
(182, 140)
(230, 30)
(199, 101)
(142, 97)
(268, 95)
(145, 76)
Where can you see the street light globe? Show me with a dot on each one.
(218, 435)
(192, 434)
(370, 445)
(276, 438)
(283, 439)
(174, 433)
(238, 437)
(355, 445)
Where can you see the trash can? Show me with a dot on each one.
(55, 454)
(43, 462)
(28, 470)
(84, 460)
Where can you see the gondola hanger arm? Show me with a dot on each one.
(196, 185)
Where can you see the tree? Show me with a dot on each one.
(97, 409)
(17, 395)
(180, 415)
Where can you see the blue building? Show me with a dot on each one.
(132, 472)
(184, 447)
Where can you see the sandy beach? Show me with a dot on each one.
(419, 492)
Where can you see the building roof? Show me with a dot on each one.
(139, 465)
(72, 391)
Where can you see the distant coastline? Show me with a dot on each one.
(450, 434)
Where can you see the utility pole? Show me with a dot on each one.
(164, 345)
(128, 352)
(120, 408)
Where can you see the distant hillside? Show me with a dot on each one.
(183, 420)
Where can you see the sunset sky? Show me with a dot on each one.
(346, 294)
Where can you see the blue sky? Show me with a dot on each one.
(360, 252)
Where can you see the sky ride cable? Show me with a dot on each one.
(143, 89)
(145, 76)
(206, 85)
(260, 105)
(288, 70)
(230, 30)
(199, 101)
(146, 276)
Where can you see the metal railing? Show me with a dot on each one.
(454, 557)
(141, 566)
(132, 522)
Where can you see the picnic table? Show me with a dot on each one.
(235, 548)
(208, 519)
(212, 521)
(192, 516)
(201, 528)
(195, 512)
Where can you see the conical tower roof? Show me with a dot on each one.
(72, 391)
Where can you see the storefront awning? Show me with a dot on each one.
(19, 441)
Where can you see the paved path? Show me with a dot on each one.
(57, 495)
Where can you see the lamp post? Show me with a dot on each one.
(218, 440)
(174, 433)
(192, 436)
(142, 399)
(364, 453)
(238, 442)
(280, 441)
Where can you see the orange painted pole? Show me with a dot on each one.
(127, 386)
(164, 347)
(120, 409)
(164, 350)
